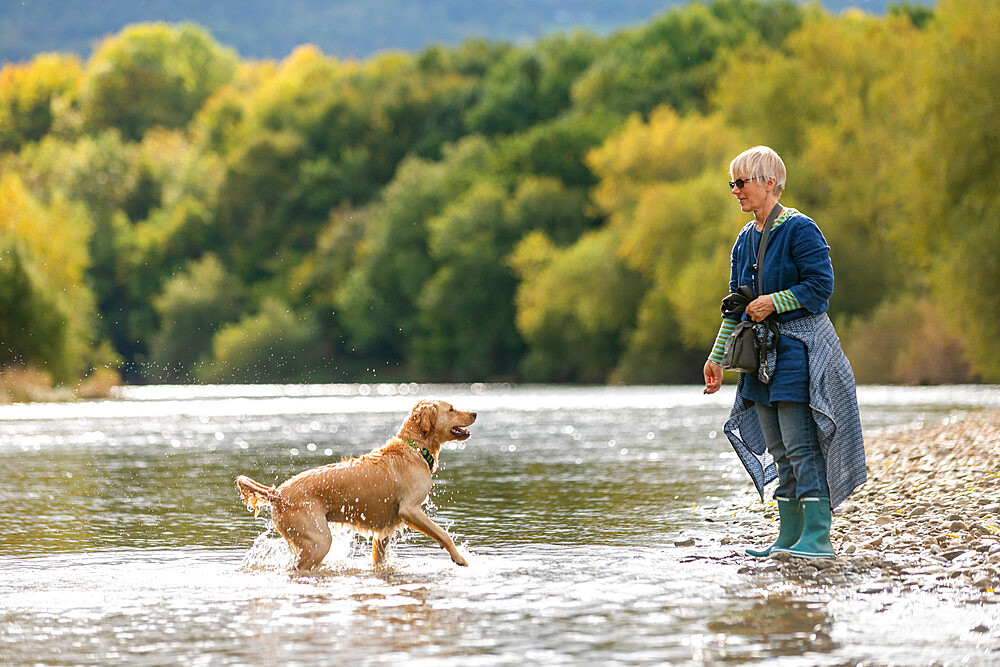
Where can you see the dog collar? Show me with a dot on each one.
(423, 452)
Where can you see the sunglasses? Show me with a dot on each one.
(740, 182)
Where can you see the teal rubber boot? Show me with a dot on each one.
(789, 528)
(815, 539)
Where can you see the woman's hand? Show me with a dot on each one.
(713, 377)
(760, 308)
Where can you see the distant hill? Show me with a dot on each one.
(345, 28)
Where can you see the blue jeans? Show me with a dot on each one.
(790, 435)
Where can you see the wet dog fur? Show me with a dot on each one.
(375, 494)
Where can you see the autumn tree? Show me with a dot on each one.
(35, 96)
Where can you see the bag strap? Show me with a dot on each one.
(762, 246)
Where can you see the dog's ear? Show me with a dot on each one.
(425, 414)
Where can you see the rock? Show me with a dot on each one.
(849, 548)
(882, 520)
(689, 542)
(983, 583)
(876, 587)
(957, 526)
(953, 554)
(726, 540)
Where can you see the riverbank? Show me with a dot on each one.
(25, 384)
(928, 518)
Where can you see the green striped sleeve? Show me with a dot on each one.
(785, 301)
(720, 341)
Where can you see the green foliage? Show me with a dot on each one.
(672, 59)
(661, 190)
(574, 306)
(952, 226)
(32, 321)
(45, 310)
(153, 75)
(35, 96)
(275, 345)
(531, 85)
(466, 315)
(192, 307)
(377, 301)
(545, 204)
(917, 14)
(557, 148)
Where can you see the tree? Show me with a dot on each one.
(46, 311)
(672, 59)
(152, 75)
(557, 147)
(545, 204)
(466, 317)
(34, 96)
(530, 85)
(275, 345)
(377, 302)
(664, 192)
(575, 306)
(951, 227)
(192, 307)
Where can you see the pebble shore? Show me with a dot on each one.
(928, 518)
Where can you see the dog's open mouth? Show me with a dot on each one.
(460, 433)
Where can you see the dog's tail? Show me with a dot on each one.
(254, 494)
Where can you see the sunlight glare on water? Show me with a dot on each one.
(592, 519)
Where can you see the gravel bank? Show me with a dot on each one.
(927, 519)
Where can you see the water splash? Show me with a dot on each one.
(270, 552)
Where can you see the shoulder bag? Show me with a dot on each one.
(741, 353)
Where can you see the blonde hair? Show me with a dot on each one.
(760, 161)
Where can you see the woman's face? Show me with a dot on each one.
(753, 195)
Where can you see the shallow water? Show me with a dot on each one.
(124, 540)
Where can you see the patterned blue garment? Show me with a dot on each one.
(834, 402)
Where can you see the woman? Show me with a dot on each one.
(797, 418)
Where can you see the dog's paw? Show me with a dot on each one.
(458, 560)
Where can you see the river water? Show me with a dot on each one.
(124, 541)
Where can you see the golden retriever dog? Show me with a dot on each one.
(375, 494)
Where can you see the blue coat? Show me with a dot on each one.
(797, 258)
